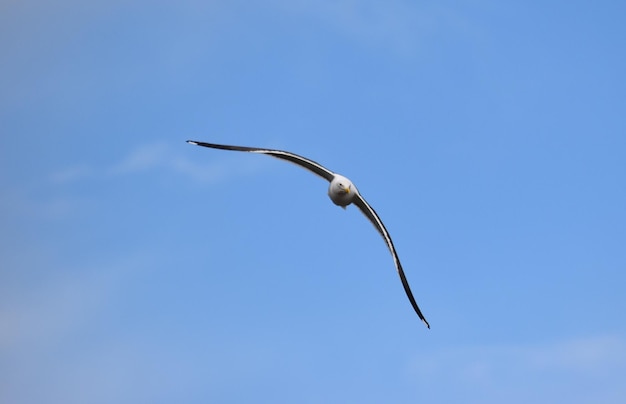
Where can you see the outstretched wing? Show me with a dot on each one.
(373, 217)
(280, 154)
(328, 175)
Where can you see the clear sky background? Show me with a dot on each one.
(490, 137)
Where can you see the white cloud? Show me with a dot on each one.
(212, 168)
(156, 156)
(578, 369)
(583, 354)
(143, 158)
(71, 174)
(59, 194)
(591, 354)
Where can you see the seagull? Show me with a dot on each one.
(342, 192)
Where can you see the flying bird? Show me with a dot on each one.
(342, 192)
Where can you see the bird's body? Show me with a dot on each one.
(341, 192)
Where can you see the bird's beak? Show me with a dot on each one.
(348, 190)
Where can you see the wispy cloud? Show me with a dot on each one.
(141, 159)
(61, 191)
(593, 354)
(161, 156)
(553, 367)
(590, 354)
(71, 174)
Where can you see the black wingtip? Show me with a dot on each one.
(426, 322)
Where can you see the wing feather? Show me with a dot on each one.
(309, 164)
(371, 214)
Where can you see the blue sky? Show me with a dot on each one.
(489, 136)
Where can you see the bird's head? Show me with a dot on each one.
(341, 191)
(344, 187)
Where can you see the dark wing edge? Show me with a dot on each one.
(373, 217)
(304, 162)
